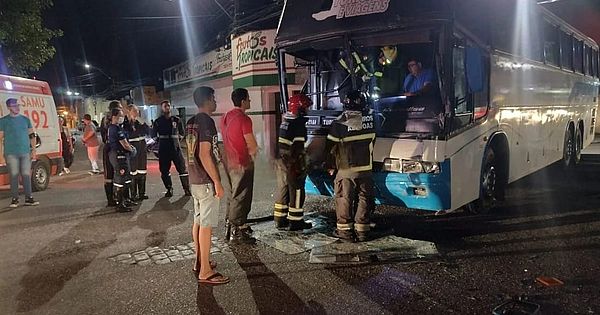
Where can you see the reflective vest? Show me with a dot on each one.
(350, 144)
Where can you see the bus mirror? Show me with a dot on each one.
(474, 67)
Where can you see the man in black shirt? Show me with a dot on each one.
(108, 170)
(169, 130)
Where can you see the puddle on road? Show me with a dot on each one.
(326, 250)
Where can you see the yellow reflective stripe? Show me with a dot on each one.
(299, 139)
(345, 227)
(343, 63)
(332, 138)
(118, 185)
(359, 168)
(285, 141)
(298, 191)
(362, 227)
(359, 137)
(378, 74)
(294, 218)
(280, 206)
(142, 171)
(296, 210)
(280, 214)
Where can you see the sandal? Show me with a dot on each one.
(213, 265)
(215, 279)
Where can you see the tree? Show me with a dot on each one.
(24, 41)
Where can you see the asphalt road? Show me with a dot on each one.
(55, 258)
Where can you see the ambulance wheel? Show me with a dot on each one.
(40, 176)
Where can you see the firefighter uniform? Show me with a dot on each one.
(137, 132)
(291, 173)
(119, 160)
(108, 169)
(169, 130)
(350, 144)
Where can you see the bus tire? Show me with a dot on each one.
(578, 144)
(40, 175)
(570, 148)
(490, 186)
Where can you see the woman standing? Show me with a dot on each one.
(67, 146)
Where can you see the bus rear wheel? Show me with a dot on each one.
(570, 148)
(490, 185)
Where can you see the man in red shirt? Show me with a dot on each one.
(240, 149)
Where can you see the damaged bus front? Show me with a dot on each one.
(342, 46)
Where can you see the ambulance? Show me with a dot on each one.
(35, 99)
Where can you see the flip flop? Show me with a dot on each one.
(215, 279)
(213, 265)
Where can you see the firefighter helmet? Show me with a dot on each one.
(355, 100)
(299, 104)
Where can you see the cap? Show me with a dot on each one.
(11, 102)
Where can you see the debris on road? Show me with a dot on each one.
(549, 281)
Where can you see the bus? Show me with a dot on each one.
(513, 89)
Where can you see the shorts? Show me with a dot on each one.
(206, 205)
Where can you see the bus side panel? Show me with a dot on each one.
(534, 104)
(466, 154)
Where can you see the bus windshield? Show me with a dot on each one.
(399, 79)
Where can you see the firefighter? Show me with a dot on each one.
(119, 155)
(137, 132)
(108, 170)
(169, 131)
(350, 147)
(291, 167)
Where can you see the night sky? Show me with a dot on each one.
(133, 40)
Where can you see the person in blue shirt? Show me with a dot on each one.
(16, 132)
(419, 81)
(119, 152)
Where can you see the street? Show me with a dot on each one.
(72, 255)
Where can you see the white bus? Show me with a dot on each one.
(514, 90)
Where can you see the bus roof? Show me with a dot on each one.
(17, 84)
(317, 19)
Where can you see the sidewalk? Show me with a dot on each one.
(592, 152)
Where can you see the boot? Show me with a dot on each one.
(133, 189)
(168, 185)
(299, 225)
(185, 183)
(108, 190)
(126, 196)
(120, 197)
(141, 182)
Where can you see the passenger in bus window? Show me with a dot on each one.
(420, 80)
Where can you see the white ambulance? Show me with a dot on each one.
(36, 103)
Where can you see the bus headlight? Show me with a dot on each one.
(410, 166)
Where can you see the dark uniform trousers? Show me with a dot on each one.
(109, 173)
(239, 183)
(120, 164)
(165, 158)
(138, 167)
(289, 201)
(354, 202)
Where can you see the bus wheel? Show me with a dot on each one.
(489, 185)
(578, 145)
(40, 176)
(570, 149)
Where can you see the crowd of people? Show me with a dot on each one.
(206, 173)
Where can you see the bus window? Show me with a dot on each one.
(578, 55)
(587, 60)
(566, 48)
(595, 63)
(462, 110)
(551, 44)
